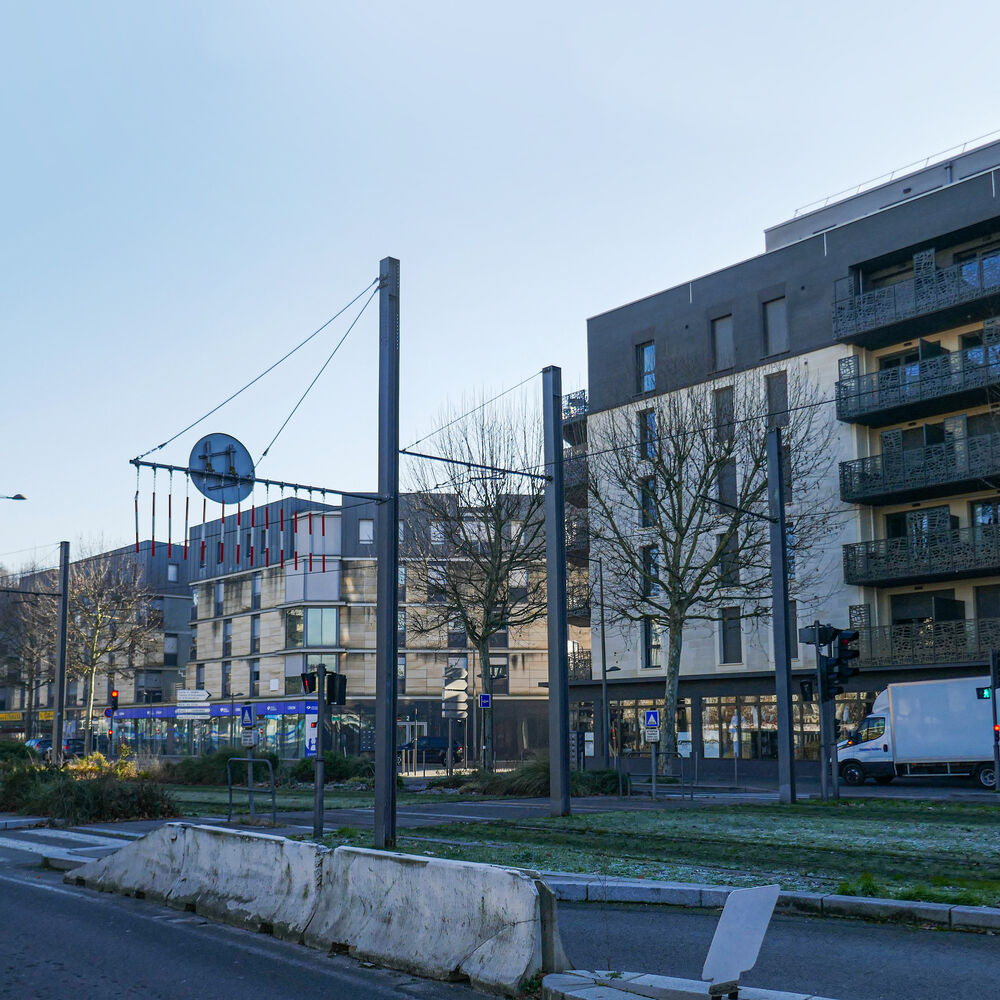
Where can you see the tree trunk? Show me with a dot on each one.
(668, 726)
(29, 708)
(89, 735)
(487, 675)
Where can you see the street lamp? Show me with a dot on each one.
(16, 496)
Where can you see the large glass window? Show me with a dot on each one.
(646, 433)
(227, 678)
(650, 643)
(651, 571)
(256, 581)
(723, 349)
(293, 627)
(366, 531)
(227, 637)
(645, 367)
(647, 502)
(732, 636)
(775, 327)
(219, 592)
(724, 405)
(321, 627)
(255, 633)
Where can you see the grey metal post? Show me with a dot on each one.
(555, 569)
(995, 684)
(387, 553)
(59, 709)
(606, 708)
(319, 776)
(824, 769)
(779, 586)
(831, 739)
(451, 730)
(654, 770)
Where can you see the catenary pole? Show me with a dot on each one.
(387, 553)
(555, 569)
(319, 778)
(779, 586)
(995, 685)
(59, 709)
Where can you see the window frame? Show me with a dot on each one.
(720, 323)
(769, 348)
(645, 373)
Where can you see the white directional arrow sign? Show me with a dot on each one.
(193, 694)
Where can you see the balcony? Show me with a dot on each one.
(574, 414)
(940, 555)
(580, 665)
(575, 475)
(930, 642)
(955, 466)
(932, 299)
(934, 385)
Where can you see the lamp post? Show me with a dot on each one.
(233, 695)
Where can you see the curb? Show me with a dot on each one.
(22, 823)
(571, 888)
(603, 985)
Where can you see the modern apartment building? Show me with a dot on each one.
(297, 588)
(890, 300)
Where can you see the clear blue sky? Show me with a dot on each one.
(191, 188)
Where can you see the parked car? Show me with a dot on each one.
(39, 744)
(72, 747)
(431, 748)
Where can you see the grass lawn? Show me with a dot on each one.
(938, 852)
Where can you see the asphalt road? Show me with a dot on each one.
(844, 959)
(63, 941)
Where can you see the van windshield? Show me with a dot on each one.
(870, 729)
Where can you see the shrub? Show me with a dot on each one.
(531, 780)
(13, 750)
(336, 767)
(210, 768)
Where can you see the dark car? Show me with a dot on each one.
(431, 749)
(72, 747)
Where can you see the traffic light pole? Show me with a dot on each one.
(319, 780)
(824, 768)
(995, 683)
(59, 707)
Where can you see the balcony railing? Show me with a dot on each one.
(939, 555)
(575, 405)
(937, 469)
(932, 385)
(580, 665)
(930, 290)
(929, 642)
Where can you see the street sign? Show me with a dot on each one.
(652, 735)
(107, 713)
(249, 737)
(652, 718)
(193, 712)
(193, 694)
(455, 689)
(484, 701)
(247, 719)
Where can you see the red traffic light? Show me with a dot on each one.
(111, 734)
(114, 698)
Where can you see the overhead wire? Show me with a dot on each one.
(266, 371)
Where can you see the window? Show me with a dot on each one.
(646, 433)
(366, 531)
(725, 413)
(219, 591)
(170, 650)
(437, 532)
(256, 581)
(476, 532)
(437, 583)
(199, 676)
(194, 604)
(723, 350)
(255, 633)
(321, 627)
(775, 327)
(732, 636)
(254, 666)
(499, 675)
(650, 571)
(647, 502)
(401, 628)
(499, 639)
(457, 637)
(777, 400)
(227, 678)
(650, 643)
(401, 674)
(870, 729)
(517, 586)
(727, 483)
(645, 367)
(293, 627)
(173, 572)
(227, 637)
(401, 583)
(729, 563)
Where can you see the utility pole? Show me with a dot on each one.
(779, 586)
(824, 756)
(387, 554)
(995, 683)
(319, 778)
(555, 569)
(605, 707)
(58, 713)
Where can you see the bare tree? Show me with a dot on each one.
(672, 555)
(474, 546)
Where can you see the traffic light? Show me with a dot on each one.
(111, 734)
(806, 691)
(844, 651)
(984, 694)
(114, 699)
(829, 678)
(336, 689)
(308, 683)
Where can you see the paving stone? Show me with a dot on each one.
(981, 917)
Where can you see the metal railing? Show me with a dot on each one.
(575, 405)
(931, 641)
(909, 473)
(249, 786)
(931, 379)
(580, 665)
(948, 286)
(960, 551)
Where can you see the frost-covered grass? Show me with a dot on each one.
(945, 852)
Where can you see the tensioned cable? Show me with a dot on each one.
(315, 333)
(475, 409)
(320, 372)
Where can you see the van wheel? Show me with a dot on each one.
(884, 779)
(853, 773)
(986, 776)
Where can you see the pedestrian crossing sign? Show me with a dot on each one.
(652, 718)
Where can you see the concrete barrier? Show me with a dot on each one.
(443, 919)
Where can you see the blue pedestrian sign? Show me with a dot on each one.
(652, 718)
(247, 720)
(484, 701)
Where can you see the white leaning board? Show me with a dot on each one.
(740, 933)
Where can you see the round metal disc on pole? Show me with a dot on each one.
(222, 468)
